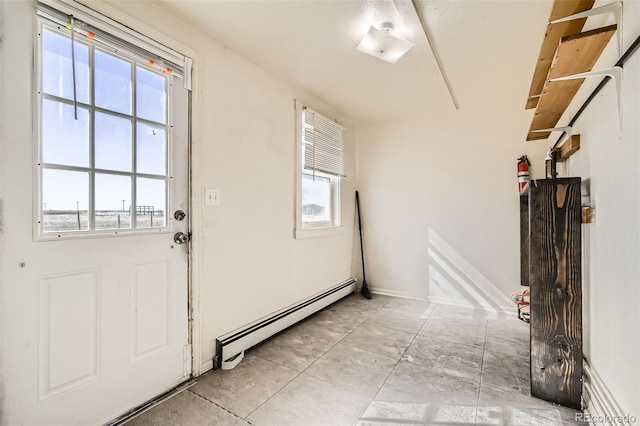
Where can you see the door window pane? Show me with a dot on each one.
(316, 199)
(112, 142)
(151, 95)
(65, 200)
(91, 165)
(65, 140)
(151, 157)
(112, 83)
(151, 201)
(113, 201)
(57, 74)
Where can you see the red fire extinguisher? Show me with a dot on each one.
(523, 173)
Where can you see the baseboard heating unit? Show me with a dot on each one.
(230, 347)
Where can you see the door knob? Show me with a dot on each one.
(180, 238)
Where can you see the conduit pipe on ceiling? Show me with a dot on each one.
(409, 12)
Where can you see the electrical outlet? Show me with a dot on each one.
(212, 197)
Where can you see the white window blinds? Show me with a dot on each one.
(117, 37)
(323, 143)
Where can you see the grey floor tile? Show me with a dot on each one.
(445, 355)
(508, 337)
(505, 372)
(329, 325)
(414, 383)
(244, 388)
(351, 313)
(421, 307)
(459, 312)
(309, 401)
(394, 413)
(510, 416)
(354, 311)
(353, 369)
(398, 320)
(500, 326)
(186, 409)
(500, 407)
(464, 331)
(492, 415)
(491, 396)
(517, 347)
(378, 299)
(446, 414)
(293, 349)
(357, 301)
(422, 364)
(380, 340)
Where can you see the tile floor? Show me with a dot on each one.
(374, 362)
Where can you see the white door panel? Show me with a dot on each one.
(91, 326)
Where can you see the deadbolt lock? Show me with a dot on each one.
(179, 215)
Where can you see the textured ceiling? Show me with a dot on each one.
(488, 49)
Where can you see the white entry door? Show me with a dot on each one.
(94, 287)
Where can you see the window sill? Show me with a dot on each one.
(318, 232)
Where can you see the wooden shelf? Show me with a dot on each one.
(568, 148)
(575, 54)
(554, 33)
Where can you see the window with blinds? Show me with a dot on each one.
(323, 143)
(322, 169)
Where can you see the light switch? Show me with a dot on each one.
(212, 197)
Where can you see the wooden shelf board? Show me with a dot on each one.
(568, 148)
(576, 54)
(553, 35)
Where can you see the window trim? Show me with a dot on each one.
(39, 165)
(302, 231)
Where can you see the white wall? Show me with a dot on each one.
(608, 159)
(250, 263)
(246, 261)
(440, 204)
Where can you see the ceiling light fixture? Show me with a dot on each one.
(381, 43)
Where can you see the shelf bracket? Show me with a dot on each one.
(613, 72)
(614, 8)
(565, 129)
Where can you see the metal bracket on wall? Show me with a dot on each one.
(614, 72)
(565, 129)
(614, 8)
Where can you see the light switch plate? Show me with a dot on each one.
(212, 197)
